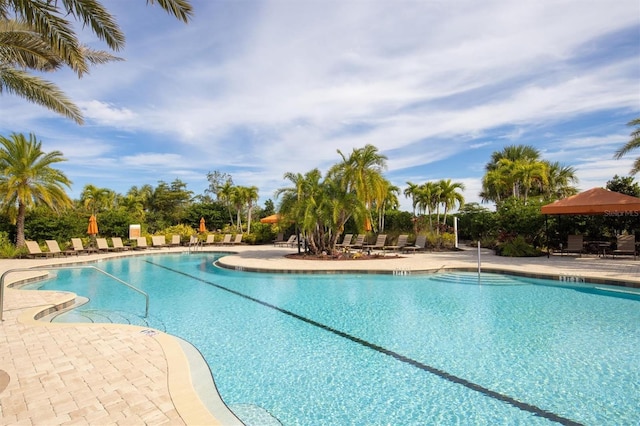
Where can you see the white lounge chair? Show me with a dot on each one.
(625, 244)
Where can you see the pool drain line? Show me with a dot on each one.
(433, 370)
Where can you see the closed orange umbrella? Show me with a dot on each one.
(202, 228)
(93, 225)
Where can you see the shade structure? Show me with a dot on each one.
(274, 218)
(596, 201)
(202, 227)
(92, 229)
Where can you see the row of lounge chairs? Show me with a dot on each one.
(102, 245)
(381, 243)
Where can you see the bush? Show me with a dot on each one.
(517, 247)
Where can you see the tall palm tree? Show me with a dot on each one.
(411, 191)
(251, 193)
(225, 194)
(633, 143)
(361, 173)
(27, 178)
(561, 180)
(449, 195)
(39, 36)
(239, 200)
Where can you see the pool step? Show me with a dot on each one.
(472, 278)
(103, 316)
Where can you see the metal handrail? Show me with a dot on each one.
(195, 243)
(137, 290)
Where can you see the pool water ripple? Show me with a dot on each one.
(564, 352)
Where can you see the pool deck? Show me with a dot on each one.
(123, 374)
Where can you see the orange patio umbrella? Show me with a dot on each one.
(202, 227)
(92, 229)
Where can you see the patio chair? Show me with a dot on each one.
(358, 243)
(35, 251)
(103, 245)
(225, 240)
(237, 240)
(279, 239)
(117, 244)
(291, 241)
(378, 245)
(175, 240)
(345, 241)
(78, 247)
(575, 244)
(399, 245)
(211, 239)
(141, 243)
(158, 241)
(54, 249)
(419, 245)
(625, 244)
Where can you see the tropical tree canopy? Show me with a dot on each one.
(634, 143)
(27, 178)
(38, 36)
(518, 171)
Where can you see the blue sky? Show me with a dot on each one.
(259, 88)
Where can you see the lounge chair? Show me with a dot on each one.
(345, 241)
(402, 241)
(79, 248)
(419, 245)
(35, 251)
(211, 239)
(103, 245)
(225, 240)
(117, 244)
(141, 243)
(279, 239)
(378, 245)
(158, 241)
(625, 244)
(575, 244)
(291, 240)
(237, 240)
(358, 243)
(54, 249)
(175, 240)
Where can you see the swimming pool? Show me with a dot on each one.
(382, 349)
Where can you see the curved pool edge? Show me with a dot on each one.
(192, 390)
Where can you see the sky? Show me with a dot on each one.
(257, 89)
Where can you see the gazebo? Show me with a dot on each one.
(596, 201)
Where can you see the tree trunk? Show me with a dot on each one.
(20, 225)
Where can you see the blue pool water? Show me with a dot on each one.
(381, 349)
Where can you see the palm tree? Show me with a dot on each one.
(38, 36)
(238, 200)
(633, 143)
(28, 180)
(225, 194)
(96, 199)
(251, 193)
(449, 196)
(560, 181)
(411, 191)
(361, 173)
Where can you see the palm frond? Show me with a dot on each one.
(39, 91)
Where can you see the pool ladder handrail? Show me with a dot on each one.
(195, 243)
(35, 268)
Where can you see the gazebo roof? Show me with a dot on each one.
(596, 201)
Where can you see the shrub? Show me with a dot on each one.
(517, 247)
